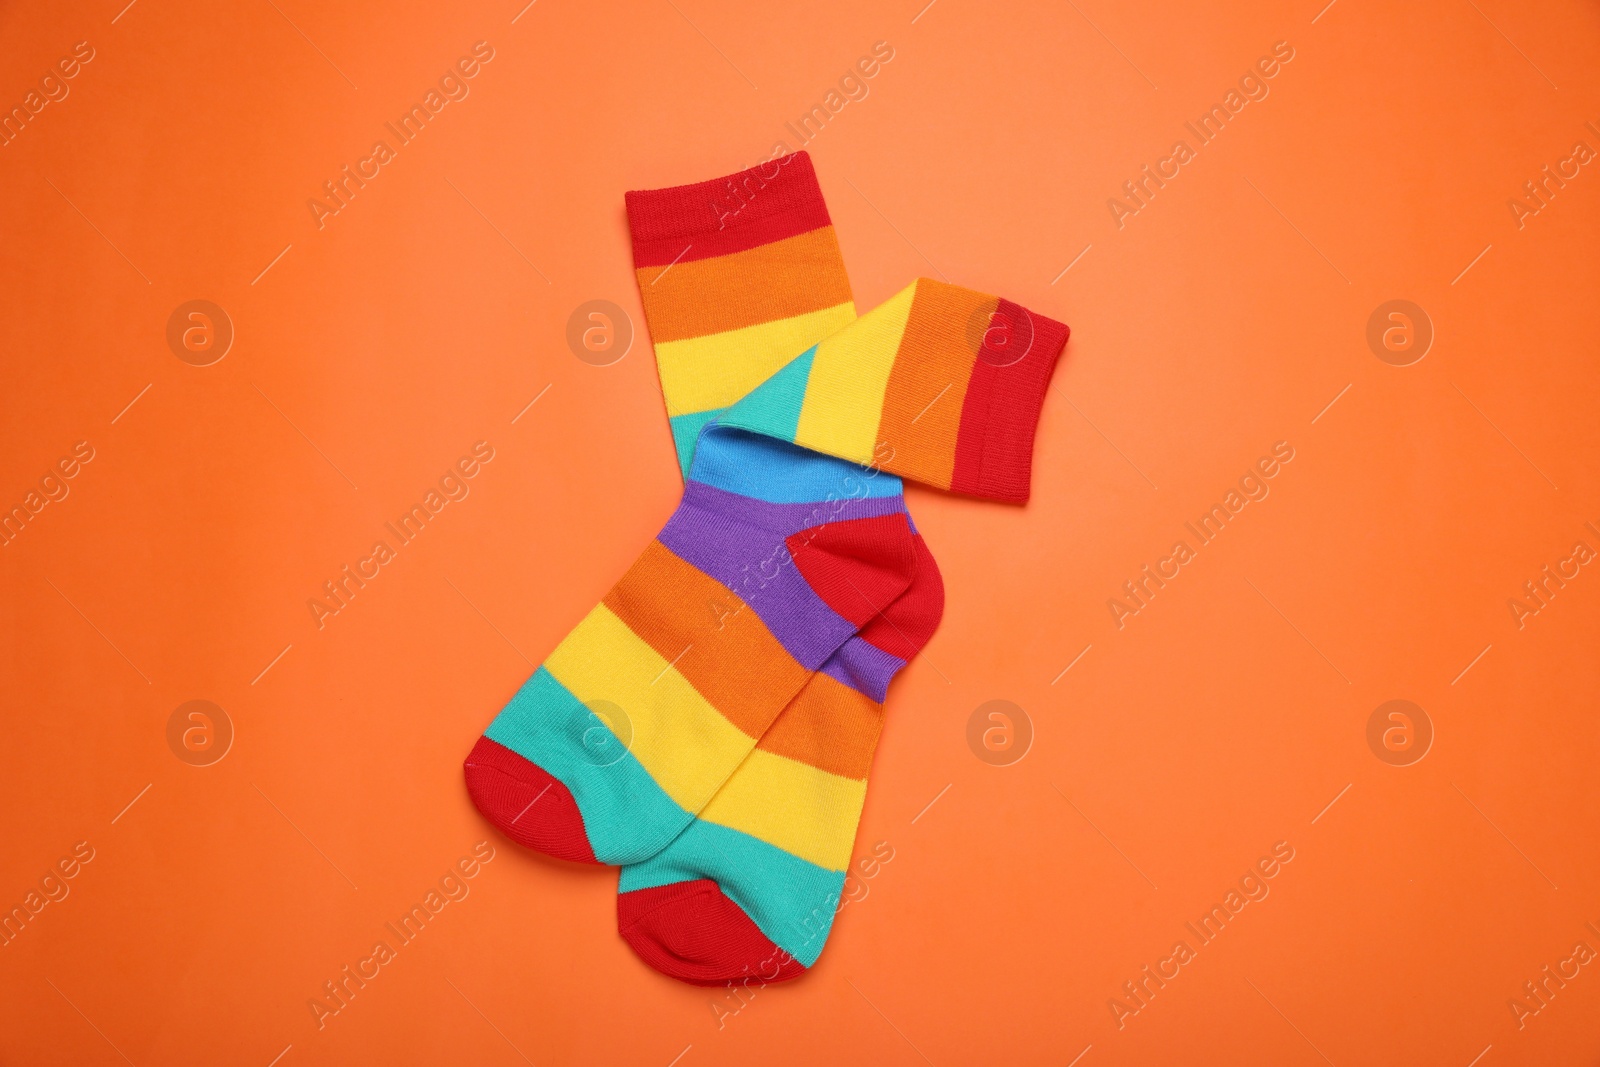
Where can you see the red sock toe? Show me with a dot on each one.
(694, 932)
(526, 803)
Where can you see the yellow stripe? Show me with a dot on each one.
(685, 743)
(709, 372)
(844, 399)
(804, 811)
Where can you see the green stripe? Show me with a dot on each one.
(625, 813)
(790, 900)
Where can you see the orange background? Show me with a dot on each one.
(1224, 717)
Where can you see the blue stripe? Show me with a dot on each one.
(685, 428)
(781, 473)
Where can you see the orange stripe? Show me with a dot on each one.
(829, 726)
(695, 623)
(922, 404)
(772, 281)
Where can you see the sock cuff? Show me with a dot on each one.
(768, 202)
(1005, 395)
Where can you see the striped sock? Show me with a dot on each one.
(750, 889)
(941, 384)
(643, 711)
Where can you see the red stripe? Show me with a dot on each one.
(777, 199)
(994, 449)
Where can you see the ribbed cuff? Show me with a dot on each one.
(768, 202)
(994, 450)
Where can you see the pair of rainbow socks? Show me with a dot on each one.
(709, 726)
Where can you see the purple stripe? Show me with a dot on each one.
(786, 519)
(756, 565)
(864, 667)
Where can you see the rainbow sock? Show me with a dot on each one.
(941, 384)
(773, 560)
(770, 852)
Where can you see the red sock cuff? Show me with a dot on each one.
(994, 450)
(768, 202)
